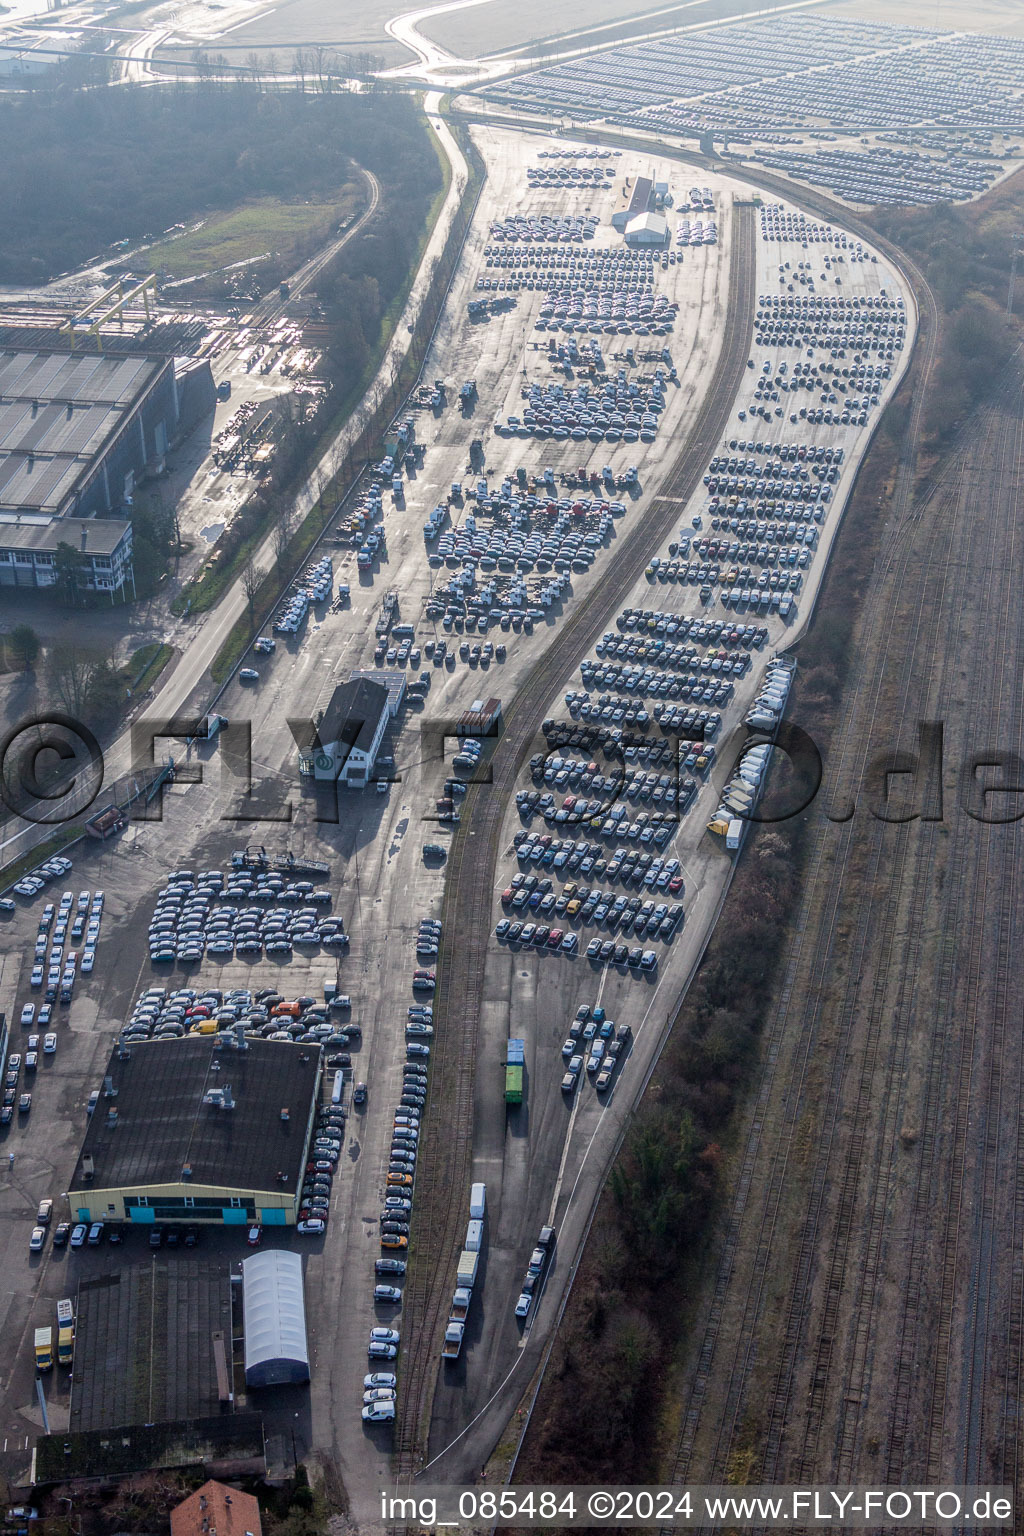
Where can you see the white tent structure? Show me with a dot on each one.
(276, 1351)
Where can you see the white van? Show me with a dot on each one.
(477, 1202)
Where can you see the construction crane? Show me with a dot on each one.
(113, 302)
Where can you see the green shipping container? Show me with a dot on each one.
(513, 1085)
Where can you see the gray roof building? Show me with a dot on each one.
(199, 1129)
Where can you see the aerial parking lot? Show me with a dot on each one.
(821, 99)
(616, 839)
(526, 520)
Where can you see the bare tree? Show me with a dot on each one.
(252, 579)
(70, 672)
(283, 530)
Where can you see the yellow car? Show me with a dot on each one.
(390, 1241)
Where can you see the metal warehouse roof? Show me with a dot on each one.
(166, 1123)
(276, 1350)
(62, 376)
(58, 412)
(650, 224)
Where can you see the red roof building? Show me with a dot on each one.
(216, 1510)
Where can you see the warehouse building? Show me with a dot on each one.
(77, 434)
(343, 746)
(200, 1130)
(633, 202)
(647, 229)
(276, 1351)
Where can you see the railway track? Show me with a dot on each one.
(447, 1140)
(794, 1099)
(271, 308)
(865, 1176)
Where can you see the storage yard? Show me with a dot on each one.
(489, 808)
(846, 87)
(893, 1156)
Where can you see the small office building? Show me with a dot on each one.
(210, 1128)
(345, 743)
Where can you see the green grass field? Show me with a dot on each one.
(245, 233)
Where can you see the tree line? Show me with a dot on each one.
(85, 169)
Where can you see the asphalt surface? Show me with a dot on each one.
(537, 1162)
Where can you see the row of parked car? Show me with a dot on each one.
(397, 1204)
(206, 915)
(535, 1270)
(55, 963)
(596, 1040)
(37, 880)
(172, 1012)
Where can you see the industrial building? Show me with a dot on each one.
(204, 1129)
(343, 746)
(77, 433)
(276, 1350)
(647, 229)
(633, 202)
(153, 1344)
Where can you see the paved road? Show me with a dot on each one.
(200, 639)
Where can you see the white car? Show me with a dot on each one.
(384, 1336)
(379, 1413)
(379, 1395)
(523, 1304)
(381, 1379)
(88, 959)
(79, 1235)
(248, 675)
(28, 1013)
(313, 1226)
(49, 1044)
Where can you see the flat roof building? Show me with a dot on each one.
(77, 433)
(199, 1129)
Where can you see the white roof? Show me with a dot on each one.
(275, 1318)
(648, 224)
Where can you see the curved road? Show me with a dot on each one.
(200, 639)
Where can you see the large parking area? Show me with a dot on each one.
(756, 86)
(611, 873)
(191, 942)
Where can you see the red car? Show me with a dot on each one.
(507, 895)
(554, 938)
